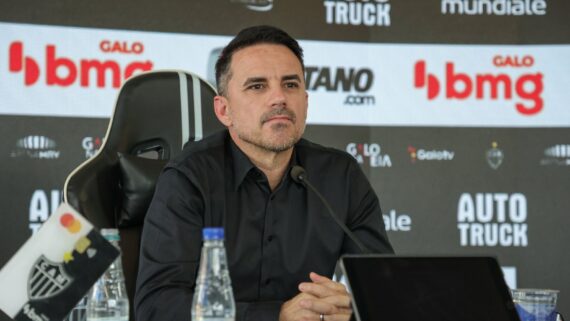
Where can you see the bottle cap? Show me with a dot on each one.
(110, 234)
(213, 233)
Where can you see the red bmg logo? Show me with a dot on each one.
(64, 72)
(527, 87)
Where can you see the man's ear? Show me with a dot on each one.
(221, 108)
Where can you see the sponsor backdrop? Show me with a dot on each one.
(457, 110)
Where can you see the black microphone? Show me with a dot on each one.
(299, 175)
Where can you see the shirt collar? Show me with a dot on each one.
(242, 165)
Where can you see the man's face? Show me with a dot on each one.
(266, 102)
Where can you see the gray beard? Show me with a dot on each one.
(268, 146)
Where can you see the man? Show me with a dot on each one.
(282, 245)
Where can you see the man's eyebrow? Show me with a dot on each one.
(291, 77)
(254, 80)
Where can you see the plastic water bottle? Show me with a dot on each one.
(79, 311)
(213, 295)
(107, 300)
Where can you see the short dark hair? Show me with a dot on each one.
(249, 37)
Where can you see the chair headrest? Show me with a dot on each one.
(138, 179)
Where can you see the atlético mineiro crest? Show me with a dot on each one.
(47, 279)
(495, 156)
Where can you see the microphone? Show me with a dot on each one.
(299, 175)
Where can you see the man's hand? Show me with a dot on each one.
(327, 297)
(293, 310)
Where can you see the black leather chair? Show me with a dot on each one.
(155, 115)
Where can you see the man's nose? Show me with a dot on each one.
(277, 97)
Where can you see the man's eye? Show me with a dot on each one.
(292, 85)
(256, 86)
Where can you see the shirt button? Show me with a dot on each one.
(270, 238)
(267, 281)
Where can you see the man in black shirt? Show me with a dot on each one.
(282, 245)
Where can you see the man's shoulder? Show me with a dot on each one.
(309, 152)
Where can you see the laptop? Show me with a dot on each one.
(400, 288)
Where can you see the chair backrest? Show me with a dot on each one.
(156, 114)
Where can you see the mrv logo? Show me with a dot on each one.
(492, 219)
(370, 153)
(36, 147)
(358, 12)
(556, 155)
(356, 82)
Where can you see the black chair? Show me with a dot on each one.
(155, 115)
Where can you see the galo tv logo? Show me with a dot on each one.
(62, 71)
(525, 89)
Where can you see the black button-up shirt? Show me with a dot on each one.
(273, 239)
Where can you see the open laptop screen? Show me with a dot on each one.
(394, 288)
